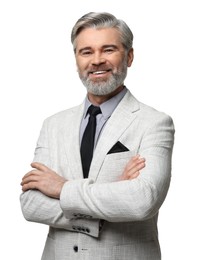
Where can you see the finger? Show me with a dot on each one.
(134, 175)
(131, 177)
(39, 166)
(29, 178)
(33, 172)
(29, 186)
(135, 169)
(137, 162)
(134, 162)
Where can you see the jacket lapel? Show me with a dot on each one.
(120, 120)
(71, 142)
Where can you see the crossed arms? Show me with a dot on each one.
(50, 183)
(137, 194)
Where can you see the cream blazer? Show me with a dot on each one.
(101, 217)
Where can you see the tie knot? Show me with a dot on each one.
(94, 110)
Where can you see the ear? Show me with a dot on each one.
(130, 57)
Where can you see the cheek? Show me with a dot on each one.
(81, 71)
(81, 66)
(117, 61)
(118, 66)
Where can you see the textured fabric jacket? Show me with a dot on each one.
(102, 217)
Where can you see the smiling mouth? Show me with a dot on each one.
(99, 72)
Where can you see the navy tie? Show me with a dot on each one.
(87, 144)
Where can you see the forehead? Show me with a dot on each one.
(91, 37)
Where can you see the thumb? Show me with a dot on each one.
(39, 166)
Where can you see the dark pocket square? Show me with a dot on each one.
(118, 148)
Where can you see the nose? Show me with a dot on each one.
(98, 58)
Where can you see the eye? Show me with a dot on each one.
(86, 52)
(109, 50)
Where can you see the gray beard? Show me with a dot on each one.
(101, 88)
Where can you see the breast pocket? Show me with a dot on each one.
(113, 166)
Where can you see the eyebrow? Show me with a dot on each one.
(103, 47)
(110, 46)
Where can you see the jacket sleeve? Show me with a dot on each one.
(131, 200)
(37, 207)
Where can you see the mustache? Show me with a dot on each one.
(99, 68)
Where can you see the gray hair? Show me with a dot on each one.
(103, 20)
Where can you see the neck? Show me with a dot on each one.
(98, 100)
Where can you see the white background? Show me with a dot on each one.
(38, 78)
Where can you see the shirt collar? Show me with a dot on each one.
(108, 106)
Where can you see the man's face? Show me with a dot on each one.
(101, 60)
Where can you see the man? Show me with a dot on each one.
(101, 199)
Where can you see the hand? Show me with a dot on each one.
(43, 179)
(133, 167)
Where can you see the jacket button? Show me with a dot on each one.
(75, 249)
(87, 230)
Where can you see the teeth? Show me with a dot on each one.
(99, 72)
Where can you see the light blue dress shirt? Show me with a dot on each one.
(107, 109)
